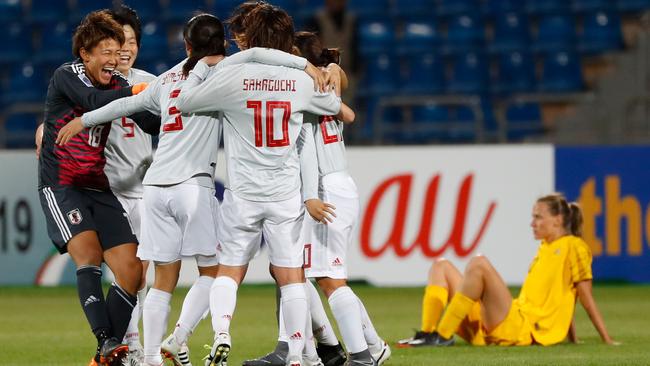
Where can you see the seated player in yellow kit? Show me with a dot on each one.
(481, 309)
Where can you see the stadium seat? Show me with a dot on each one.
(498, 7)
(469, 74)
(583, 6)
(83, 7)
(154, 42)
(430, 122)
(417, 38)
(11, 10)
(380, 76)
(375, 37)
(515, 73)
(561, 72)
(547, 6)
(370, 9)
(523, 120)
(426, 74)
(601, 32)
(48, 10)
(224, 8)
(414, 10)
(16, 42)
(176, 41)
(26, 84)
(464, 32)
(147, 10)
(632, 6)
(155, 67)
(56, 43)
(510, 33)
(556, 32)
(183, 10)
(455, 7)
(20, 129)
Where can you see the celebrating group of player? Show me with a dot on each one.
(280, 118)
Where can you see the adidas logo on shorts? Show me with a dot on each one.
(337, 262)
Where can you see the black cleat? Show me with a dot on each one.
(112, 352)
(422, 339)
(331, 355)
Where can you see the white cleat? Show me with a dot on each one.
(179, 354)
(382, 354)
(315, 362)
(135, 357)
(219, 352)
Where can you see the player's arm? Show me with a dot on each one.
(346, 115)
(336, 78)
(319, 210)
(38, 139)
(572, 335)
(147, 121)
(585, 294)
(201, 93)
(129, 106)
(84, 94)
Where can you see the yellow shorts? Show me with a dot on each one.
(514, 330)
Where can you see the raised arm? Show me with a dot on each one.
(81, 92)
(201, 93)
(586, 297)
(266, 56)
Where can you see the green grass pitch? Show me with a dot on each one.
(45, 326)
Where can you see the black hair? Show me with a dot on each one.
(205, 34)
(124, 15)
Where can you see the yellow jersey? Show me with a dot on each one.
(548, 297)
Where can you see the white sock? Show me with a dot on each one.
(309, 352)
(223, 299)
(282, 330)
(345, 307)
(196, 303)
(323, 331)
(295, 316)
(154, 319)
(132, 336)
(369, 331)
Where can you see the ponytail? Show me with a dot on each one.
(575, 219)
(570, 212)
(205, 34)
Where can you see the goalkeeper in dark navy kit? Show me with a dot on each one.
(83, 216)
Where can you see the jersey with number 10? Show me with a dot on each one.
(263, 109)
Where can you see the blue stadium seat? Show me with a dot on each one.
(11, 10)
(183, 10)
(154, 42)
(48, 10)
(583, 6)
(147, 10)
(632, 6)
(380, 76)
(56, 43)
(26, 84)
(370, 9)
(224, 8)
(430, 122)
(547, 6)
(375, 37)
(16, 42)
(515, 73)
(414, 9)
(601, 33)
(83, 7)
(510, 33)
(469, 74)
(176, 41)
(561, 72)
(556, 32)
(426, 74)
(455, 7)
(155, 67)
(418, 37)
(498, 7)
(20, 129)
(464, 32)
(523, 120)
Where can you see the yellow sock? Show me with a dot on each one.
(457, 310)
(433, 303)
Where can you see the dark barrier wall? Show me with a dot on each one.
(612, 185)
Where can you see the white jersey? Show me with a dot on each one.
(330, 148)
(187, 144)
(263, 109)
(128, 151)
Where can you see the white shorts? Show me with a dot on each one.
(133, 208)
(178, 221)
(242, 224)
(326, 246)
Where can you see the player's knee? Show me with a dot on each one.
(477, 263)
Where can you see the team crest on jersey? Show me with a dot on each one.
(84, 79)
(75, 217)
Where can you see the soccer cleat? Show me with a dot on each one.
(351, 362)
(294, 362)
(178, 354)
(112, 352)
(93, 362)
(439, 341)
(219, 351)
(270, 359)
(331, 355)
(419, 336)
(316, 362)
(135, 356)
(382, 354)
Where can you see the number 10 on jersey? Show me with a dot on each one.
(271, 106)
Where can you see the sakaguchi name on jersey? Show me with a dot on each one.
(269, 85)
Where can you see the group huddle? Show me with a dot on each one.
(103, 189)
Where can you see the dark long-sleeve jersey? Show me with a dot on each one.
(81, 162)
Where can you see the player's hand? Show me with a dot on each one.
(320, 211)
(333, 78)
(69, 131)
(319, 79)
(139, 88)
(38, 140)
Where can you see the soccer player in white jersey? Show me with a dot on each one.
(262, 108)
